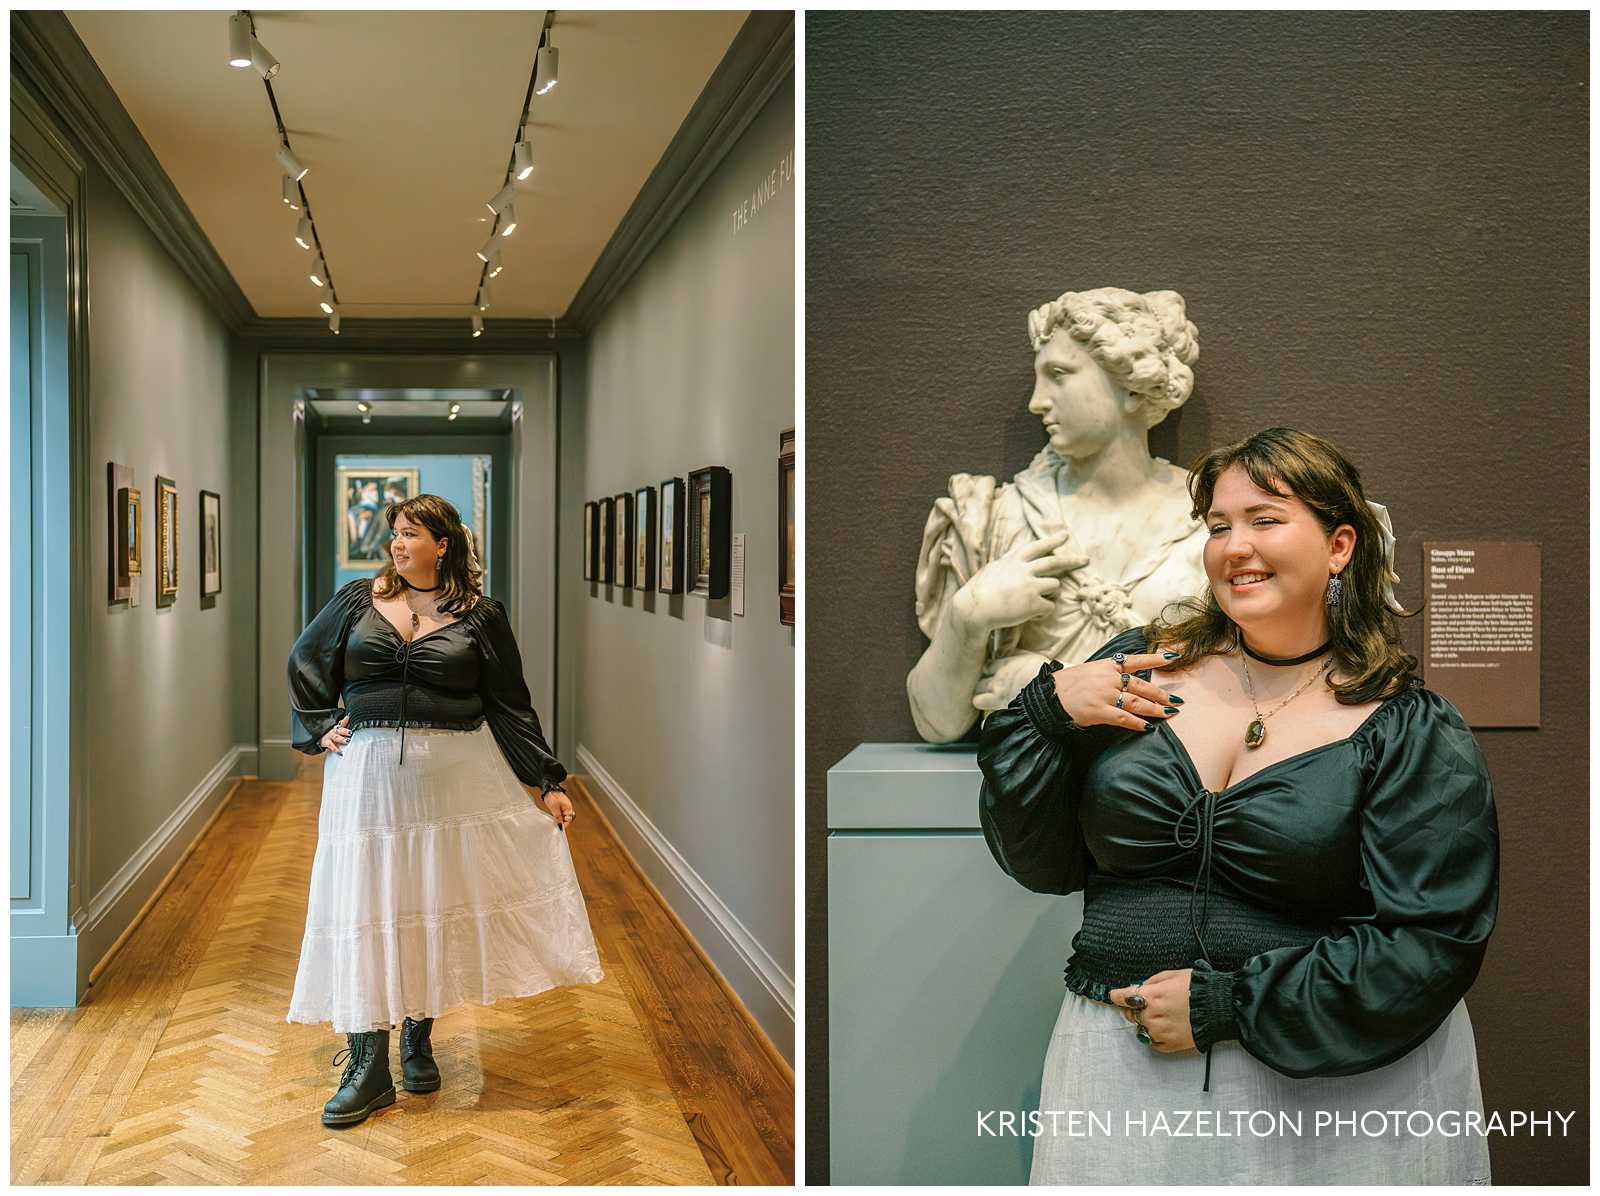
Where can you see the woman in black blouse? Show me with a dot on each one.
(436, 881)
(1288, 853)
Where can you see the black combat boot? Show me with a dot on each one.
(419, 1073)
(366, 1084)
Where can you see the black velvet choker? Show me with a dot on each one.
(1311, 655)
(418, 589)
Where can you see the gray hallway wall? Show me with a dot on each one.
(685, 711)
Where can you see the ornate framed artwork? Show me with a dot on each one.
(122, 533)
(210, 545)
(166, 541)
(622, 570)
(644, 538)
(710, 532)
(591, 528)
(669, 558)
(786, 571)
(608, 533)
(365, 493)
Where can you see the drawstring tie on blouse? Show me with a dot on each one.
(405, 666)
(1204, 806)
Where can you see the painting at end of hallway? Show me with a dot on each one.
(366, 492)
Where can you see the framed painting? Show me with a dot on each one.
(166, 541)
(608, 532)
(365, 493)
(622, 571)
(669, 557)
(786, 571)
(210, 545)
(119, 487)
(591, 528)
(644, 538)
(710, 531)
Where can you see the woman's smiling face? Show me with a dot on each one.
(413, 544)
(1250, 531)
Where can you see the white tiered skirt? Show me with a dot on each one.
(436, 883)
(1095, 1063)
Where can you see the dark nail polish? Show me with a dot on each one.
(1169, 710)
(1175, 699)
(1149, 726)
(1136, 1001)
(1171, 655)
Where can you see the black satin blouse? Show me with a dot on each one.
(455, 677)
(1334, 905)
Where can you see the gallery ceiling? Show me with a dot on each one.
(406, 120)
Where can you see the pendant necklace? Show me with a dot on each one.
(1256, 734)
(415, 620)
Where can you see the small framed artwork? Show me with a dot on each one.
(669, 560)
(591, 528)
(133, 540)
(786, 573)
(644, 538)
(710, 531)
(608, 532)
(366, 492)
(119, 485)
(166, 541)
(622, 571)
(210, 545)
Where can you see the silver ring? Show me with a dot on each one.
(1119, 657)
(1126, 677)
(1119, 700)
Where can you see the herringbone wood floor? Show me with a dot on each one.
(179, 1067)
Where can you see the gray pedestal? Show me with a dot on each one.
(944, 974)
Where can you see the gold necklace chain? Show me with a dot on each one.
(1256, 733)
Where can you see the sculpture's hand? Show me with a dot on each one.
(1004, 680)
(1019, 586)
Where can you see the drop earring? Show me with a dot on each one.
(1335, 590)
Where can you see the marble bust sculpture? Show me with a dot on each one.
(1093, 537)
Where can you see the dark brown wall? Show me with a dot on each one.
(1380, 224)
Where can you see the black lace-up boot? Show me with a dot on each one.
(366, 1085)
(419, 1073)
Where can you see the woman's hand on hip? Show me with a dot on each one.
(1165, 1012)
(338, 735)
(560, 807)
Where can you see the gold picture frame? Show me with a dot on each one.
(166, 541)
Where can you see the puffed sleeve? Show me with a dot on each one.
(1430, 860)
(316, 667)
(506, 702)
(1033, 758)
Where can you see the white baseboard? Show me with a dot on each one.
(127, 891)
(762, 984)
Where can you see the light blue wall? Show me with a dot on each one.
(450, 477)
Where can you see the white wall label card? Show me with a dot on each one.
(736, 581)
(1481, 629)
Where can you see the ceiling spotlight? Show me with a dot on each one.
(239, 40)
(366, 419)
(319, 273)
(261, 60)
(452, 415)
(333, 326)
(327, 308)
(488, 249)
(363, 406)
(291, 196)
(483, 297)
(302, 233)
(544, 77)
(454, 408)
(508, 218)
(522, 160)
(477, 324)
(495, 264)
(290, 162)
(502, 198)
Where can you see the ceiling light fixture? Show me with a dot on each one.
(366, 419)
(327, 308)
(290, 196)
(290, 162)
(455, 408)
(488, 249)
(509, 218)
(477, 324)
(502, 198)
(303, 236)
(239, 40)
(333, 323)
(483, 297)
(495, 264)
(363, 406)
(545, 68)
(522, 160)
(265, 63)
(319, 273)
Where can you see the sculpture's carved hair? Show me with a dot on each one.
(460, 575)
(1144, 342)
(1364, 630)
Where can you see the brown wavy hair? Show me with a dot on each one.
(1364, 630)
(460, 575)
